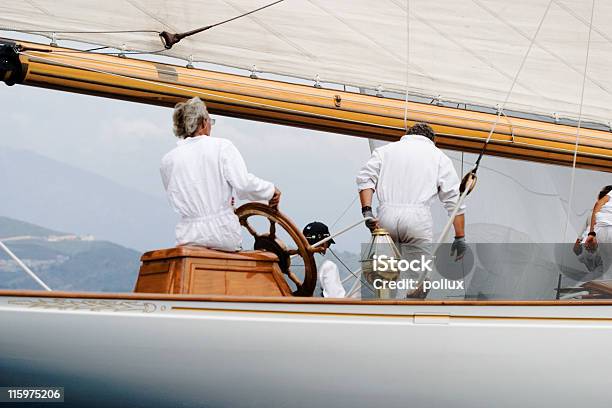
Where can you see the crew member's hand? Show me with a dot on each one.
(275, 199)
(372, 223)
(578, 247)
(591, 243)
(458, 248)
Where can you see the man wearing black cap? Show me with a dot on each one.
(328, 271)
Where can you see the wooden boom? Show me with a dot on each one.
(299, 105)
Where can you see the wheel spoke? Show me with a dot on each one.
(294, 278)
(272, 229)
(245, 224)
(293, 251)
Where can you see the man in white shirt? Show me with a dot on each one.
(407, 175)
(201, 175)
(328, 274)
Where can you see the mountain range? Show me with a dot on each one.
(46, 192)
(65, 261)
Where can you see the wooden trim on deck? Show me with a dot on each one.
(298, 300)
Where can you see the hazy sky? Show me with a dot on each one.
(125, 141)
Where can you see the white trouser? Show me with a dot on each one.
(407, 223)
(411, 227)
(604, 240)
(216, 231)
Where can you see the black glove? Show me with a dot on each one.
(372, 223)
(458, 248)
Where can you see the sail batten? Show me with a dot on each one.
(462, 50)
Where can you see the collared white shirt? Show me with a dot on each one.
(200, 176)
(412, 171)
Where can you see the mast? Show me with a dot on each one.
(297, 105)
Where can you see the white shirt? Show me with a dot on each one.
(604, 217)
(412, 171)
(330, 280)
(200, 176)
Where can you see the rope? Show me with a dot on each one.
(363, 282)
(503, 106)
(344, 212)
(23, 266)
(584, 77)
(75, 32)
(89, 51)
(169, 39)
(407, 64)
(471, 180)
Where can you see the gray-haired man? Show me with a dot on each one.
(200, 176)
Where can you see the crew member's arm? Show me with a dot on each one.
(246, 185)
(367, 179)
(591, 241)
(459, 225)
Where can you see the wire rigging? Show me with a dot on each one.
(407, 64)
(509, 93)
(584, 77)
(360, 279)
(169, 39)
(469, 179)
(35, 31)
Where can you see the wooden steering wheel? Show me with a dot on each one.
(269, 241)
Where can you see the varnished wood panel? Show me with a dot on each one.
(251, 284)
(197, 270)
(203, 281)
(154, 267)
(153, 283)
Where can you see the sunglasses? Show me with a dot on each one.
(212, 121)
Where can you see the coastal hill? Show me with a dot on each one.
(65, 261)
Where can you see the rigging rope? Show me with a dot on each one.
(360, 279)
(344, 212)
(169, 39)
(407, 64)
(584, 76)
(33, 31)
(509, 93)
(469, 180)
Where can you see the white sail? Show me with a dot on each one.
(463, 50)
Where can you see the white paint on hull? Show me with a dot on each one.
(232, 354)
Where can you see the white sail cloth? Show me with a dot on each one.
(200, 176)
(463, 50)
(407, 176)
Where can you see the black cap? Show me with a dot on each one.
(316, 231)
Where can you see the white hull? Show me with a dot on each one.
(174, 352)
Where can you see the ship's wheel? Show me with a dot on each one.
(269, 241)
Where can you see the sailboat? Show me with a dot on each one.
(526, 81)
